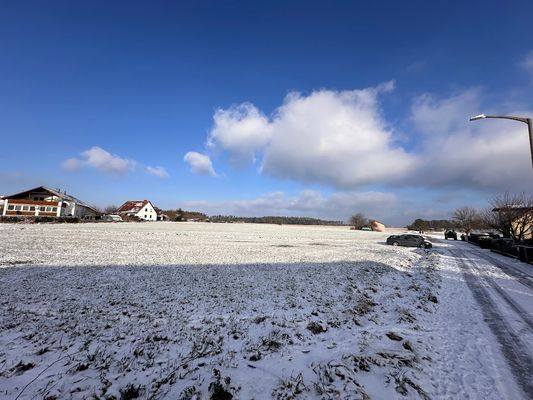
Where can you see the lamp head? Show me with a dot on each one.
(480, 116)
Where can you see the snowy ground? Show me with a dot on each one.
(190, 311)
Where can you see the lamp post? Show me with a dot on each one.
(526, 121)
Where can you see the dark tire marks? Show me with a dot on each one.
(524, 279)
(512, 345)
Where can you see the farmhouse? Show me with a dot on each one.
(43, 201)
(142, 209)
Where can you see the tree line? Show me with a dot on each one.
(510, 214)
(279, 220)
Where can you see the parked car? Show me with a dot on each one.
(409, 240)
(450, 234)
(112, 218)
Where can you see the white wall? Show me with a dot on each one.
(147, 213)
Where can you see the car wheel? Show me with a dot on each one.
(395, 243)
(423, 246)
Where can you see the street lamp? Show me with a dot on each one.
(527, 121)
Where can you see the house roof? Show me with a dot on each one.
(56, 193)
(133, 206)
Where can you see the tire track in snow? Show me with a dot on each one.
(512, 345)
(523, 278)
(524, 315)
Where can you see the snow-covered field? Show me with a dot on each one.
(194, 311)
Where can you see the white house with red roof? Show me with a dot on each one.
(142, 209)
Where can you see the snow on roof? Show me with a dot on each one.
(133, 206)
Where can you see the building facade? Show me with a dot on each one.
(46, 202)
(141, 209)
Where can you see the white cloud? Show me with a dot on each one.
(98, 158)
(434, 116)
(338, 206)
(72, 164)
(242, 130)
(333, 137)
(160, 172)
(484, 154)
(199, 163)
(341, 139)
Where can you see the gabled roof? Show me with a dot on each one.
(133, 206)
(56, 193)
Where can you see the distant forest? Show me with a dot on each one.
(274, 220)
(429, 225)
(183, 215)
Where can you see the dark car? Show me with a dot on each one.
(450, 234)
(409, 240)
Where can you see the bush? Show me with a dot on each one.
(42, 219)
(11, 218)
(39, 219)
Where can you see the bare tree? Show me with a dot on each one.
(512, 215)
(110, 209)
(97, 208)
(467, 219)
(358, 221)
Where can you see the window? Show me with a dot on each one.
(145, 216)
(25, 208)
(32, 208)
(10, 207)
(48, 209)
(17, 208)
(54, 209)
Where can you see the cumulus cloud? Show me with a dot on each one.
(485, 154)
(242, 130)
(199, 163)
(444, 116)
(160, 172)
(341, 139)
(338, 205)
(98, 158)
(333, 137)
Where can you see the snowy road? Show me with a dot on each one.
(504, 292)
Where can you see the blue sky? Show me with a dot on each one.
(254, 108)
